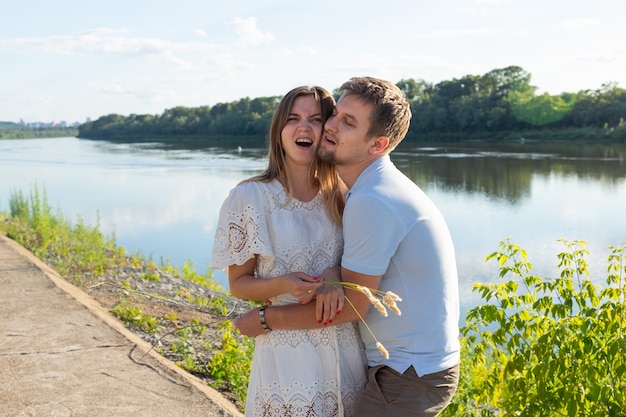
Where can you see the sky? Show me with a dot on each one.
(74, 60)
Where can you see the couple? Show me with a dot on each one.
(332, 206)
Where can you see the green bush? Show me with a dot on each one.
(550, 347)
(231, 365)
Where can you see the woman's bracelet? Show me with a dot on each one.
(262, 319)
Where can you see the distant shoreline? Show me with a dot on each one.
(578, 135)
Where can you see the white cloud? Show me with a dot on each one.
(114, 89)
(607, 52)
(576, 24)
(300, 51)
(248, 33)
(307, 50)
(110, 42)
(228, 64)
(460, 33)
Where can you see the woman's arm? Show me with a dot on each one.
(244, 285)
(295, 316)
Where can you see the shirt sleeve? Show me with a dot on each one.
(242, 227)
(371, 233)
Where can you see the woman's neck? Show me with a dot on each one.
(302, 188)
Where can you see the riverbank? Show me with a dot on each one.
(182, 315)
(62, 353)
(181, 319)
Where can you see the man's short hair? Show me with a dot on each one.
(391, 116)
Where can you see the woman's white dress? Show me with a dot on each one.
(309, 373)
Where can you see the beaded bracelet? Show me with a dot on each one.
(262, 319)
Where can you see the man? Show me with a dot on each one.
(395, 240)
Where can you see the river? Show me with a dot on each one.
(162, 201)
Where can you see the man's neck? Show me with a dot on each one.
(350, 173)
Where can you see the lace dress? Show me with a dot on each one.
(308, 373)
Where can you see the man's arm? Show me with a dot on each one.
(303, 316)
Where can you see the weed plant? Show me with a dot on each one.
(133, 316)
(231, 364)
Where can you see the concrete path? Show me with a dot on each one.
(62, 354)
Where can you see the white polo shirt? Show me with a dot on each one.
(391, 228)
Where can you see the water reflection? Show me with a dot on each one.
(503, 172)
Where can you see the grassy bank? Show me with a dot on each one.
(183, 314)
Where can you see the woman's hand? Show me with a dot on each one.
(302, 286)
(249, 324)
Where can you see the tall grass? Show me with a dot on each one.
(74, 250)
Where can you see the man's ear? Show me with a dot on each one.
(379, 145)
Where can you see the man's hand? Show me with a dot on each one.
(305, 316)
(329, 302)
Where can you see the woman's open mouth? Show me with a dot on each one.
(305, 143)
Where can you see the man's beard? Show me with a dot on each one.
(326, 156)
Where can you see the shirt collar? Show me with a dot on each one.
(376, 165)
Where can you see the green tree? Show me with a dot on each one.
(540, 110)
(415, 90)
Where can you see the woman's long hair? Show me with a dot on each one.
(321, 173)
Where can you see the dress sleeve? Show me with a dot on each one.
(242, 227)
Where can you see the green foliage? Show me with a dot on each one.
(540, 110)
(151, 272)
(551, 347)
(135, 317)
(183, 347)
(474, 396)
(603, 107)
(189, 273)
(33, 223)
(617, 132)
(216, 305)
(231, 365)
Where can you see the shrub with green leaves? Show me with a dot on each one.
(550, 347)
(231, 365)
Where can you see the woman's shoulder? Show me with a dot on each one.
(254, 185)
(253, 190)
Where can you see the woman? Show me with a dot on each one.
(276, 233)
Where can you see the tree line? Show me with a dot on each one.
(501, 104)
(9, 130)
